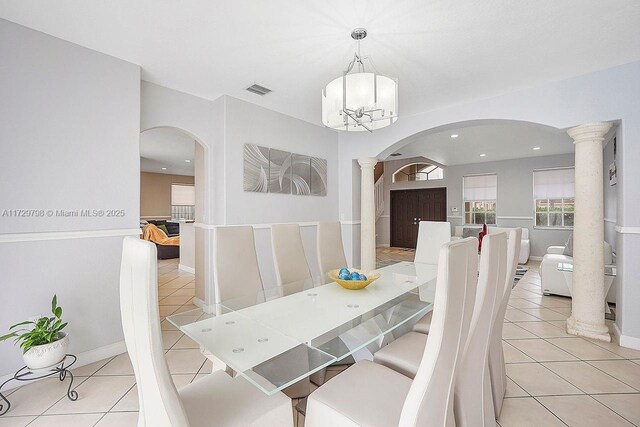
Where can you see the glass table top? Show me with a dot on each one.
(281, 335)
(609, 269)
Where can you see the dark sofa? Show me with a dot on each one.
(167, 251)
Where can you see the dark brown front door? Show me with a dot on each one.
(409, 207)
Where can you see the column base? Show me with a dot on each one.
(588, 330)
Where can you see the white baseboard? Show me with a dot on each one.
(384, 245)
(187, 269)
(626, 340)
(535, 258)
(84, 358)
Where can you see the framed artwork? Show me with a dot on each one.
(268, 170)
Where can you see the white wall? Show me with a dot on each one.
(608, 95)
(515, 195)
(69, 127)
(246, 123)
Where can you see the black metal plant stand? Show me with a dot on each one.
(24, 374)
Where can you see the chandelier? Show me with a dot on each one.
(360, 100)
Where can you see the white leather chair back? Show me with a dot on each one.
(330, 248)
(235, 263)
(496, 355)
(160, 405)
(473, 404)
(431, 235)
(288, 254)
(430, 398)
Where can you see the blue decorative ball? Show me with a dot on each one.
(344, 271)
(363, 277)
(355, 276)
(345, 276)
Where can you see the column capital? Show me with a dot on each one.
(367, 162)
(589, 132)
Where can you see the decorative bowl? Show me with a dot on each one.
(354, 284)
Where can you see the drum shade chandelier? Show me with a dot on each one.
(361, 99)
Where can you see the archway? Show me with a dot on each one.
(174, 165)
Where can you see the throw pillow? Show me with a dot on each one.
(568, 247)
(163, 228)
(470, 232)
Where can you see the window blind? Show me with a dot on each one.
(183, 195)
(554, 184)
(480, 187)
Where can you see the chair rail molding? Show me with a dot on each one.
(268, 225)
(627, 230)
(62, 235)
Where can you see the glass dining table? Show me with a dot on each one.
(280, 335)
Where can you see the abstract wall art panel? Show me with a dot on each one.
(268, 170)
(279, 171)
(256, 168)
(300, 175)
(318, 179)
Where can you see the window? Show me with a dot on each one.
(183, 200)
(554, 195)
(480, 193)
(418, 172)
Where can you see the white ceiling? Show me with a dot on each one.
(497, 140)
(168, 148)
(443, 52)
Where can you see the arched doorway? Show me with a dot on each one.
(173, 195)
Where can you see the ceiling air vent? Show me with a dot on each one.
(395, 154)
(258, 90)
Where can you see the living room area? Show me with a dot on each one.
(494, 175)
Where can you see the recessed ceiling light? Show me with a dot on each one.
(188, 161)
(395, 154)
(483, 155)
(536, 148)
(164, 169)
(455, 135)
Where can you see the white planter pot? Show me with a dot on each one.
(47, 355)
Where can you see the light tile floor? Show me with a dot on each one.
(554, 379)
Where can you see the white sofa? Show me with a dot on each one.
(554, 281)
(525, 245)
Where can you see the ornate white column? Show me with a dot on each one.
(587, 311)
(367, 215)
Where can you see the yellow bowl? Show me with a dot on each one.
(353, 284)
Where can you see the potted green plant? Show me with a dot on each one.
(43, 343)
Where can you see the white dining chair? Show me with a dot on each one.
(291, 269)
(330, 257)
(473, 404)
(431, 235)
(288, 254)
(368, 394)
(330, 248)
(496, 352)
(235, 263)
(216, 399)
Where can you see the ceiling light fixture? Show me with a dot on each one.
(483, 155)
(395, 154)
(164, 169)
(536, 148)
(360, 100)
(455, 135)
(188, 161)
